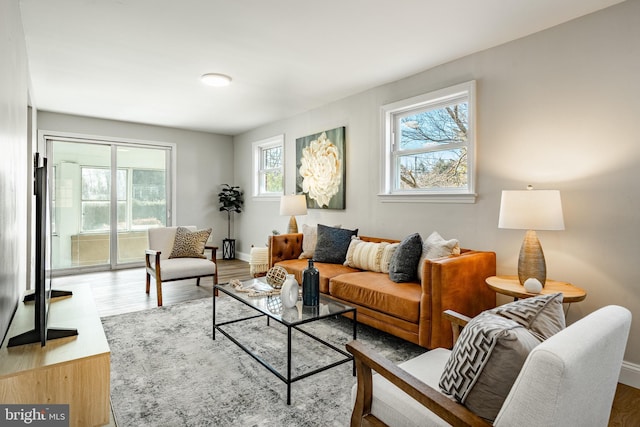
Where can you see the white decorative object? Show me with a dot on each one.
(532, 285)
(289, 291)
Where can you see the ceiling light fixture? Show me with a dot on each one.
(215, 79)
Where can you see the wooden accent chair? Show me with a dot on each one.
(165, 269)
(569, 379)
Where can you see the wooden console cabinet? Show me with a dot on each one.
(73, 370)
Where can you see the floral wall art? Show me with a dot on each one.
(320, 167)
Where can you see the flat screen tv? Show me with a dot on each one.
(43, 293)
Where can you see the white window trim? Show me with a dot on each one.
(387, 194)
(257, 147)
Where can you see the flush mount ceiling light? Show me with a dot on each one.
(215, 79)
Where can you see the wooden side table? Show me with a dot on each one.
(510, 286)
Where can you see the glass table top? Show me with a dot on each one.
(272, 305)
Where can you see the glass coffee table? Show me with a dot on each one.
(271, 308)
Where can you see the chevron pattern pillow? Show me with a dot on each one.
(189, 244)
(492, 348)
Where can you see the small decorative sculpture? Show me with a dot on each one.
(532, 285)
(289, 291)
(276, 276)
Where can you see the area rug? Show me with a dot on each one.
(166, 370)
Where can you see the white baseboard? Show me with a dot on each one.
(630, 374)
(242, 256)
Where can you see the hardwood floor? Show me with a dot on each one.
(122, 291)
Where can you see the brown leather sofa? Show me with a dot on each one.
(412, 310)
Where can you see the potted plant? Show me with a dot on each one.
(230, 199)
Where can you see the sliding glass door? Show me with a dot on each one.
(106, 195)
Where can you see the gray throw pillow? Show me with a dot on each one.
(404, 261)
(332, 244)
(492, 348)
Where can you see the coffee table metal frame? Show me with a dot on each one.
(308, 318)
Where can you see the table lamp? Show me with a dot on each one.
(531, 210)
(294, 204)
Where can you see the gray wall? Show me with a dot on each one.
(14, 170)
(204, 161)
(557, 109)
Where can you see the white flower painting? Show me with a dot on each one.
(320, 166)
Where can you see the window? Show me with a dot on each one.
(429, 146)
(96, 193)
(268, 160)
(141, 198)
(148, 199)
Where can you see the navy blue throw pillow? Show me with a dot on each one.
(333, 244)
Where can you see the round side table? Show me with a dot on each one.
(510, 286)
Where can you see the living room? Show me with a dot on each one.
(548, 105)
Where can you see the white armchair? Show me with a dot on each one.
(165, 269)
(568, 380)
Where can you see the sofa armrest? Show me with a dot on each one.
(454, 283)
(283, 247)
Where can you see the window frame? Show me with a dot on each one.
(442, 97)
(258, 171)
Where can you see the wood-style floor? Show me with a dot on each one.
(122, 291)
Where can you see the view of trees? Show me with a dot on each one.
(272, 179)
(433, 148)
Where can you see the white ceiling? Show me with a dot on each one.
(140, 60)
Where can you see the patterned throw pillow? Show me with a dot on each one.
(333, 244)
(387, 254)
(365, 255)
(492, 348)
(404, 261)
(190, 244)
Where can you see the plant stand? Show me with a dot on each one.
(228, 248)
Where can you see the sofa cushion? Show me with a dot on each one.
(377, 292)
(492, 348)
(365, 255)
(404, 261)
(333, 244)
(177, 268)
(190, 244)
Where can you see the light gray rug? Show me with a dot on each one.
(167, 371)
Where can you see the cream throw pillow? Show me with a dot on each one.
(387, 253)
(365, 255)
(309, 240)
(434, 247)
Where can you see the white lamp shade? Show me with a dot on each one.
(294, 204)
(531, 210)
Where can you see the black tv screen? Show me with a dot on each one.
(42, 271)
